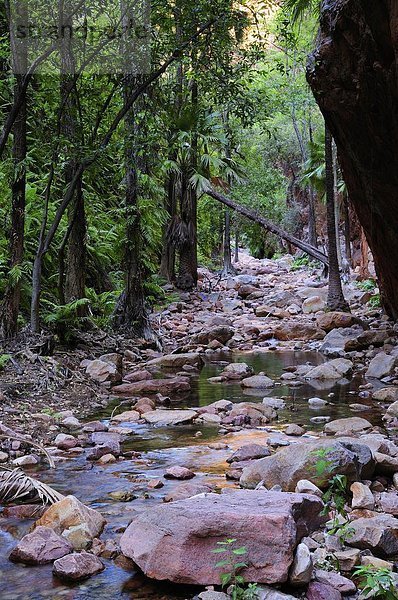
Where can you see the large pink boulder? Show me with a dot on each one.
(154, 386)
(174, 541)
(41, 546)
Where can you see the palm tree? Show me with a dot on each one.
(198, 143)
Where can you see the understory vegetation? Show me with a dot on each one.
(104, 176)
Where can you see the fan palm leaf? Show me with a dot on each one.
(16, 486)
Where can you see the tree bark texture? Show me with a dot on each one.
(335, 300)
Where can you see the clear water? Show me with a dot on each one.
(161, 448)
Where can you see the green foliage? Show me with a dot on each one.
(66, 317)
(4, 360)
(336, 494)
(367, 285)
(231, 566)
(376, 583)
(298, 263)
(375, 301)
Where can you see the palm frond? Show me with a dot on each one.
(298, 8)
(16, 486)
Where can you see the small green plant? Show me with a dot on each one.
(341, 529)
(375, 301)
(4, 360)
(376, 583)
(298, 263)
(232, 566)
(368, 285)
(336, 495)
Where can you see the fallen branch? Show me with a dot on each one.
(269, 226)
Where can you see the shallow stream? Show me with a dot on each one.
(160, 448)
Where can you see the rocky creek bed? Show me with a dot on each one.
(260, 383)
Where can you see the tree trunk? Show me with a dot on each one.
(188, 265)
(336, 300)
(131, 313)
(312, 234)
(188, 268)
(354, 76)
(75, 280)
(227, 269)
(336, 204)
(167, 264)
(347, 231)
(269, 226)
(9, 309)
(236, 258)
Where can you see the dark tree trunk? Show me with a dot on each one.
(167, 264)
(347, 231)
(354, 76)
(131, 313)
(228, 268)
(236, 258)
(188, 264)
(9, 309)
(312, 234)
(336, 300)
(75, 279)
(188, 267)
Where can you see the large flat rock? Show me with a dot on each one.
(176, 361)
(164, 417)
(154, 386)
(299, 461)
(174, 541)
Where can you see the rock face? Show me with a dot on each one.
(362, 497)
(293, 463)
(174, 542)
(321, 591)
(76, 567)
(249, 452)
(74, 521)
(237, 371)
(389, 394)
(358, 44)
(301, 571)
(41, 546)
(221, 333)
